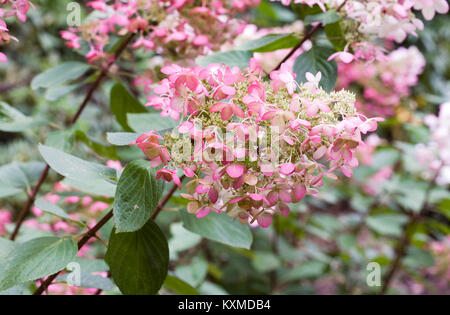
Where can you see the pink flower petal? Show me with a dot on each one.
(235, 170)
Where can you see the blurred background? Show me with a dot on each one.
(327, 243)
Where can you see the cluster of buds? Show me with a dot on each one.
(435, 155)
(365, 21)
(385, 83)
(249, 146)
(181, 29)
(9, 8)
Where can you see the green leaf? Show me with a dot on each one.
(327, 17)
(387, 223)
(139, 260)
(271, 42)
(122, 102)
(6, 190)
(220, 228)
(104, 150)
(54, 209)
(182, 239)
(122, 138)
(195, 273)
(12, 120)
(137, 196)
(6, 247)
(20, 175)
(88, 280)
(60, 74)
(265, 262)
(304, 10)
(418, 258)
(232, 58)
(335, 35)
(61, 139)
(36, 259)
(56, 92)
(309, 269)
(315, 60)
(79, 170)
(150, 121)
(179, 286)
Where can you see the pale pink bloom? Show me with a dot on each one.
(429, 7)
(227, 110)
(98, 206)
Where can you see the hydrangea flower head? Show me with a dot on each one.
(251, 147)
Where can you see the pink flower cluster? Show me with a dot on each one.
(365, 21)
(175, 28)
(251, 147)
(435, 155)
(384, 83)
(9, 8)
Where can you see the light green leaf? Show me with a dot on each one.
(418, 258)
(122, 102)
(12, 120)
(6, 190)
(232, 58)
(150, 121)
(20, 175)
(59, 75)
(195, 273)
(265, 262)
(315, 60)
(179, 286)
(79, 170)
(56, 92)
(309, 269)
(182, 239)
(387, 223)
(327, 17)
(220, 228)
(122, 138)
(137, 196)
(54, 209)
(271, 42)
(138, 260)
(36, 259)
(88, 280)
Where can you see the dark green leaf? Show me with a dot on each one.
(315, 60)
(335, 35)
(122, 102)
(138, 260)
(137, 196)
(271, 42)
